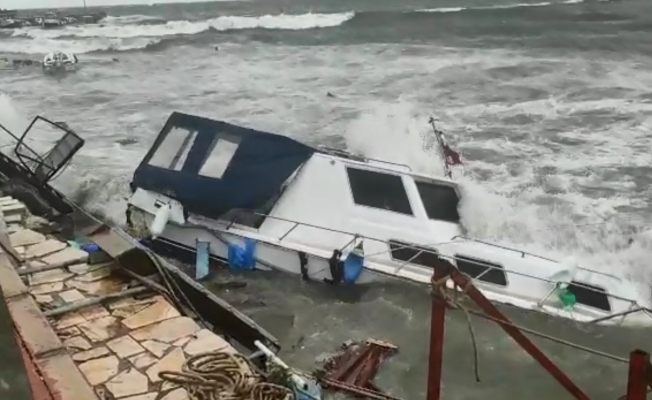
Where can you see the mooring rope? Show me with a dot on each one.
(224, 376)
(440, 289)
(453, 300)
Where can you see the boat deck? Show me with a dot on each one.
(114, 349)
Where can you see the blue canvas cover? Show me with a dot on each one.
(262, 162)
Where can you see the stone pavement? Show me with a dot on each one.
(118, 347)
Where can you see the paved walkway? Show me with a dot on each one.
(112, 350)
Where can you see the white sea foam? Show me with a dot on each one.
(498, 6)
(120, 28)
(124, 33)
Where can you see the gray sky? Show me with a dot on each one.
(19, 4)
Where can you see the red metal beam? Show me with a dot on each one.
(465, 283)
(639, 375)
(362, 366)
(437, 325)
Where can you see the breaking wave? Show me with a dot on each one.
(498, 6)
(140, 32)
(135, 32)
(120, 28)
(44, 45)
(132, 19)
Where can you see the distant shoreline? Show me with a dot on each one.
(50, 19)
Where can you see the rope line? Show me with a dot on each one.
(552, 338)
(453, 301)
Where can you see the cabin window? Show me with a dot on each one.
(410, 253)
(440, 201)
(482, 270)
(219, 157)
(589, 295)
(378, 190)
(174, 149)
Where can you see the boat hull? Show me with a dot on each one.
(180, 243)
(59, 69)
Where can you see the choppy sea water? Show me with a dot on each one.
(549, 103)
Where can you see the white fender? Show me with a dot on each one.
(160, 220)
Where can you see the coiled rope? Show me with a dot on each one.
(224, 376)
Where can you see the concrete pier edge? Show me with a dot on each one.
(62, 379)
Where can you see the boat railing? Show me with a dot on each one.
(525, 253)
(345, 154)
(633, 308)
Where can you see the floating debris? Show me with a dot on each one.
(354, 367)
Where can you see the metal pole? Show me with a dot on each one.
(78, 305)
(440, 144)
(639, 362)
(437, 328)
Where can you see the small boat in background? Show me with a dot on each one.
(58, 62)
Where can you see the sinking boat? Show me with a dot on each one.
(59, 62)
(257, 200)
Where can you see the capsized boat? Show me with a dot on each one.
(257, 200)
(60, 62)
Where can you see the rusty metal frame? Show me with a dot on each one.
(640, 375)
(353, 370)
(445, 270)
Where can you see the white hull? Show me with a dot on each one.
(269, 256)
(53, 69)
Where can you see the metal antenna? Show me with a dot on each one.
(447, 170)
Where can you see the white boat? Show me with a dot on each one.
(263, 201)
(60, 62)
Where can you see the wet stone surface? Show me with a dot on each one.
(120, 346)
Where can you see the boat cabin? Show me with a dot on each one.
(225, 172)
